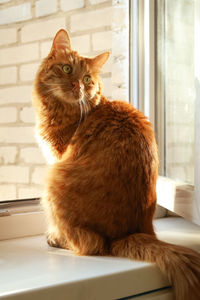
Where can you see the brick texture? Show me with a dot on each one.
(14, 174)
(45, 7)
(38, 176)
(70, 5)
(26, 32)
(19, 54)
(8, 155)
(97, 1)
(16, 94)
(16, 13)
(81, 43)
(28, 72)
(17, 135)
(102, 41)
(8, 192)
(27, 115)
(8, 75)
(31, 155)
(45, 48)
(92, 19)
(33, 32)
(27, 192)
(8, 114)
(8, 36)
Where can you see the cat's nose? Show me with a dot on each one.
(76, 84)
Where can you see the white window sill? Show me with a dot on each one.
(29, 269)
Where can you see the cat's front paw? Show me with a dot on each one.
(52, 241)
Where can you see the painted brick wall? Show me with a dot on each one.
(26, 32)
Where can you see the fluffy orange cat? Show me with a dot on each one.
(101, 190)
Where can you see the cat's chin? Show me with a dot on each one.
(78, 95)
(71, 99)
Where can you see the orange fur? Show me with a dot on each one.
(101, 191)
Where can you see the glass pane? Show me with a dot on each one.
(175, 49)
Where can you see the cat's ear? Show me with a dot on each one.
(61, 41)
(99, 60)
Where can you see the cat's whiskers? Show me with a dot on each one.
(49, 91)
(85, 105)
(53, 84)
(81, 112)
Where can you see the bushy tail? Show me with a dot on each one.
(180, 264)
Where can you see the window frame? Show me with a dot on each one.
(20, 218)
(177, 197)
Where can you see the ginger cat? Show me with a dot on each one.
(101, 190)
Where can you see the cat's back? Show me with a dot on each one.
(116, 122)
(110, 159)
(114, 133)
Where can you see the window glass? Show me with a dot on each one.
(175, 72)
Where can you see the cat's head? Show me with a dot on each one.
(66, 75)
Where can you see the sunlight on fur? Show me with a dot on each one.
(50, 158)
(100, 192)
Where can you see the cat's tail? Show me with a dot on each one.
(180, 264)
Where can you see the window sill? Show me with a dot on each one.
(30, 269)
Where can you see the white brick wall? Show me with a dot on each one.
(120, 42)
(16, 13)
(81, 43)
(102, 41)
(107, 83)
(14, 174)
(91, 20)
(32, 155)
(17, 135)
(97, 1)
(27, 115)
(8, 192)
(26, 34)
(45, 7)
(42, 30)
(8, 75)
(70, 5)
(29, 192)
(8, 114)
(8, 36)
(38, 176)
(120, 93)
(19, 54)
(28, 71)
(16, 94)
(8, 155)
(45, 48)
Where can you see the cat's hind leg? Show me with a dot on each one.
(86, 242)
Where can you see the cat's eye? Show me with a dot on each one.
(87, 79)
(67, 69)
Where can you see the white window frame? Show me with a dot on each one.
(177, 197)
(21, 218)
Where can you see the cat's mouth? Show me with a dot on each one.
(78, 94)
